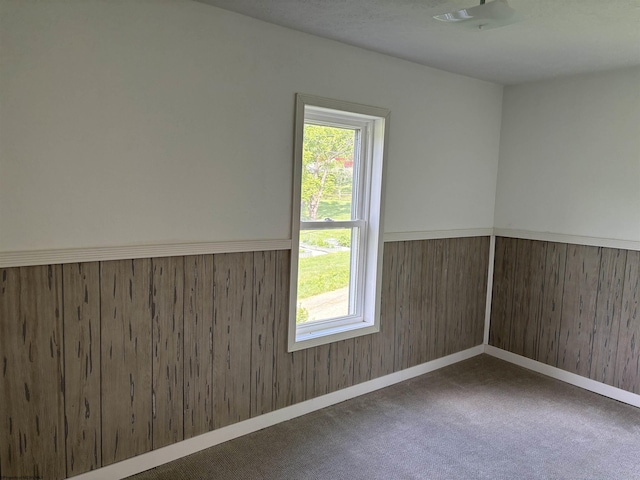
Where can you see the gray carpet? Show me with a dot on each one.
(479, 419)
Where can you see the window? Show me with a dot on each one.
(336, 260)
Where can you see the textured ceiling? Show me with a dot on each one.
(558, 37)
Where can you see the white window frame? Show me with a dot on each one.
(373, 123)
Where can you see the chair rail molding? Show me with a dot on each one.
(566, 238)
(91, 254)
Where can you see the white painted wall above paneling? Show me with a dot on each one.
(172, 121)
(570, 157)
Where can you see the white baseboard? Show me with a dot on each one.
(572, 378)
(167, 454)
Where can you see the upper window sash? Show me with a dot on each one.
(362, 129)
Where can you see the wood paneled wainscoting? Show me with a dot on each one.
(102, 361)
(573, 307)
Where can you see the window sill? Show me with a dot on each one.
(330, 335)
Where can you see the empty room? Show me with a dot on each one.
(319, 239)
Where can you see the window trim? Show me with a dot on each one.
(349, 326)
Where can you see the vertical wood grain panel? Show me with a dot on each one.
(82, 366)
(473, 288)
(318, 371)
(168, 327)
(32, 388)
(437, 311)
(12, 341)
(431, 274)
(607, 320)
(462, 304)
(233, 292)
(263, 332)
(502, 297)
(126, 346)
(383, 342)
(467, 280)
(579, 309)
(627, 372)
(341, 368)
(550, 318)
(455, 294)
(528, 289)
(417, 345)
(362, 358)
(451, 294)
(198, 345)
(462, 282)
(290, 375)
(403, 319)
(427, 299)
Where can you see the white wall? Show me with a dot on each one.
(570, 156)
(135, 122)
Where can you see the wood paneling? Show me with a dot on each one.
(341, 369)
(502, 296)
(263, 332)
(383, 343)
(453, 310)
(152, 351)
(436, 295)
(32, 402)
(417, 346)
(585, 305)
(168, 327)
(579, 309)
(478, 278)
(318, 370)
(604, 346)
(627, 372)
(126, 319)
(403, 306)
(198, 345)
(156, 350)
(362, 359)
(374, 354)
(551, 315)
(329, 368)
(528, 290)
(443, 297)
(290, 382)
(464, 273)
(435, 291)
(82, 366)
(232, 311)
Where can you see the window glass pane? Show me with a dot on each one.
(324, 274)
(327, 173)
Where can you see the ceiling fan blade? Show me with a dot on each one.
(486, 16)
